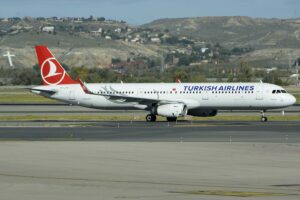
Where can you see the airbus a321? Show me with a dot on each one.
(170, 100)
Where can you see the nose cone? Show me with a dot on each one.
(291, 100)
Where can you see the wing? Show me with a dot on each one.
(126, 98)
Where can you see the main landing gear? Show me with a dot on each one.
(263, 117)
(150, 118)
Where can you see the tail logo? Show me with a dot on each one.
(51, 72)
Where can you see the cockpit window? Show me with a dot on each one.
(278, 91)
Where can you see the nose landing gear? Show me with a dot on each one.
(263, 117)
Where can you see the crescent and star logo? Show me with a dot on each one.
(51, 72)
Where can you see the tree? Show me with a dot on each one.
(182, 75)
(245, 73)
(26, 76)
(101, 19)
(273, 77)
(184, 60)
(230, 78)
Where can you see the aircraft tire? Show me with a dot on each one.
(264, 119)
(150, 118)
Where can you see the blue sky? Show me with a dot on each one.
(143, 11)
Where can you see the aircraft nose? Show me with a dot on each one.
(291, 100)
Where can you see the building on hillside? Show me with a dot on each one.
(48, 29)
(97, 33)
(155, 39)
(204, 49)
(118, 30)
(108, 37)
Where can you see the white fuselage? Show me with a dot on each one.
(225, 96)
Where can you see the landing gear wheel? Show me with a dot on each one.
(150, 118)
(171, 119)
(264, 119)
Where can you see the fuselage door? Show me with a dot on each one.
(140, 92)
(259, 93)
(71, 95)
(205, 95)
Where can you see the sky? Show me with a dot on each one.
(138, 12)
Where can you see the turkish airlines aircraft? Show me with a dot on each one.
(170, 100)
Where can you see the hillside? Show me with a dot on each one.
(84, 43)
(99, 42)
(235, 31)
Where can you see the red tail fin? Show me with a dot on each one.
(51, 70)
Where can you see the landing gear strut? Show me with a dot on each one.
(263, 117)
(150, 118)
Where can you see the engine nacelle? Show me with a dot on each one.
(203, 112)
(171, 110)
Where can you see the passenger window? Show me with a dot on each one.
(278, 91)
(283, 91)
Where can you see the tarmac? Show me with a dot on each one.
(149, 170)
(188, 131)
(211, 160)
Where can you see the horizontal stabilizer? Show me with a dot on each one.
(43, 91)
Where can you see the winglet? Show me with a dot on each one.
(83, 86)
(178, 80)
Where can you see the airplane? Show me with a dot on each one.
(170, 100)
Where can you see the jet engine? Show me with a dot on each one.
(203, 112)
(171, 110)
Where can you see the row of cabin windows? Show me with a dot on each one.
(278, 91)
(182, 92)
(123, 92)
(232, 92)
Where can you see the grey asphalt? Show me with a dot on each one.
(187, 131)
(147, 170)
(142, 160)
